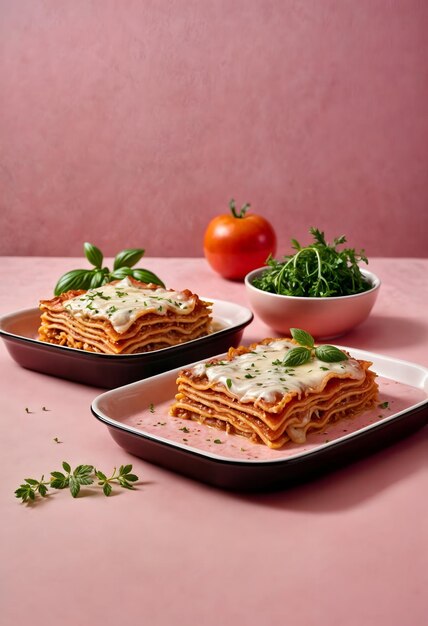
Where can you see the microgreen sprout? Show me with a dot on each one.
(316, 270)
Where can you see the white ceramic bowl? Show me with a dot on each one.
(323, 318)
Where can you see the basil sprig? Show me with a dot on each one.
(307, 351)
(98, 276)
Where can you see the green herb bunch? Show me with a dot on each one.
(316, 270)
(73, 479)
(98, 276)
(307, 350)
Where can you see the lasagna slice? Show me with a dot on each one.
(252, 393)
(124, 317)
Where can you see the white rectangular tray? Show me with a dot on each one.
(137, 418)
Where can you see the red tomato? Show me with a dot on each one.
(237, 243)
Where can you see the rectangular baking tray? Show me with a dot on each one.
(137, 418)
(20, 330)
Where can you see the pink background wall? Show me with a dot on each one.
(132, 123)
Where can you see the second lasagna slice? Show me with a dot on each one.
(124, 317)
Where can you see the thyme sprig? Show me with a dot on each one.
(99, 276)
(316, 270)
(307, 350)
(82, 475)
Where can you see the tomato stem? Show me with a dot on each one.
(242, 212)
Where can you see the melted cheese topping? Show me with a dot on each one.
(260, 375)
(121, 304)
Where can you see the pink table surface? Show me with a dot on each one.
(350, 548)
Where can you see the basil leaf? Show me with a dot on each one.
(66, 466)
(74, 279)
(97, 279)
(302, 337)
(297, 356)
(93, 254)
(120, 273)
(330, 354)
(128, 258)
(145, 276)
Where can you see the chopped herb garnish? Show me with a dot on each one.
(151, 407)
(249, 376)
(217, 441)
(229, 383)
(384, 405)
(184, 429)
